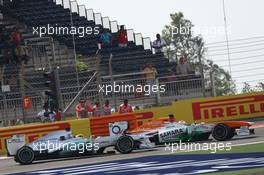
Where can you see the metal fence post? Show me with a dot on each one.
(99, 82)
(56, 75)
(158, 94)
(112, 80)
(58, 88)
(5, 109)
(201, 66)
(212, 79)
(22, 90)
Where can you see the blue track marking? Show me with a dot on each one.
(164, 165)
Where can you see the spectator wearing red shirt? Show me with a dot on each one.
(107, 108)
(122, 36)
(58, 115)
(96, 110)
(125, 107)
(82, 109)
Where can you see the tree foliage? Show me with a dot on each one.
(247, 88)
(182, 42)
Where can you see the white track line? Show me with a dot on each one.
(4, 158)
(250, 143)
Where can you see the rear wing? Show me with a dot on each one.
(14, 143)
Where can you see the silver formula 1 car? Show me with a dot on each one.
(62, 144)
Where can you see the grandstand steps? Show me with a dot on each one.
(131, 59)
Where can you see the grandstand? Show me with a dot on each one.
(60, 51)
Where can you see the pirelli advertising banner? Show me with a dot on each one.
(208, 110)
(211, 109)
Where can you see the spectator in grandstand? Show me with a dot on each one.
(107, 108)
(58, 115)
(183, 68)
(171, 75)
(125, 107)
(21, 53)
(105, 39)
(122, 36)
(170, 87)
(158, 44)
(82, 109)
(12, 42)
(96, 110)
(150, 74)
(46, 115)
(15, 37)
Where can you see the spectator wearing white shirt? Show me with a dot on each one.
(158, 44)
(183, 68)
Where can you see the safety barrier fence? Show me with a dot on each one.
(134, 87)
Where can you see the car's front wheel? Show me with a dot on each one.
(125, 144)
(25, 155)
(222, 132)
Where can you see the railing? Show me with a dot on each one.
(178, 87)
(104, 21)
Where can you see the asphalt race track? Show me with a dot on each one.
(156, 162)
(157, 165)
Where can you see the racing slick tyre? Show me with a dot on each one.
(25, 155)
(125, 144)
(222, 132)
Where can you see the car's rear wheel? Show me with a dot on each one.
(25, 155)
(222, 132)
(125, 144)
